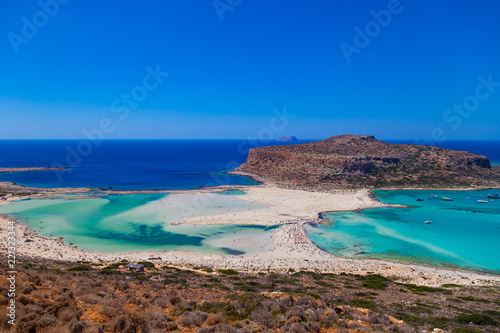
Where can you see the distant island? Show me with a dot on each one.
(287, 139)
(26, 169)
(362, 161)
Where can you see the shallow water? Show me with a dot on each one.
(140, 222)
(232, 192)
(463, 233)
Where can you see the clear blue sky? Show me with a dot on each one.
(226, 76)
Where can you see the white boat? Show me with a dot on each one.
(428, 222)
(482, 201)
(446, 199)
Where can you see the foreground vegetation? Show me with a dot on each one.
(84, 297)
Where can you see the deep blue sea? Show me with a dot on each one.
(127, 164)
(150, 164)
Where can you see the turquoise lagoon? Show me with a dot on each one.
(463, 234)
(138, 222)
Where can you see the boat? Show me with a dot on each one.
(494, 196)
(482, 201)
(446, 199)
(434, 196)
(418, 199)
(428, 222)
(467, 198)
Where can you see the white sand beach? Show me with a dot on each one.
(288, 247)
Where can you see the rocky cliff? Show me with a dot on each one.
(363, 161)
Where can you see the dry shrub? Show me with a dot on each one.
(295, 328)
(383, 320)
(69, 314)
(27, 289)
(77, 326)
(37, 294)
(174, 300)
(24, 300)
(121, 324)
(108, 311)
(155, 315)
(296, 311)
(170, 326)
(215, 318)
(359, 330)
(34, 309)
(90, 298)
(222, 328)
(93, 328)
(4, 325)
(264, 317)
(405, 329)
(63, 298)
(190, 319)
(161, 301)
(54, 308)
(35, 279)
(33, 322)
(202, 315)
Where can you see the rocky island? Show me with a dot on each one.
(287, 139)
(356, 161)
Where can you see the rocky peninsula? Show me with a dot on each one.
(361, 161)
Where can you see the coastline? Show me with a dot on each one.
(288, 248)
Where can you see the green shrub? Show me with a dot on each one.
(362, 303)
(314, 295)
(79, 269)
(374, 281)
(478, 319)
(465, 330)
(220, 307)
(493, 313)
(228, 271)
(147, 264)
(424, 289)
(109, 271)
